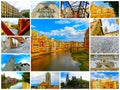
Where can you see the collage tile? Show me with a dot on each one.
(59, 44)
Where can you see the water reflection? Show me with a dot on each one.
(17, 86)
(58, 61)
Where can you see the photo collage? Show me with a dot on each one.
(59, 44)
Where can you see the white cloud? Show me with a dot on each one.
(76, 21)
(24, 60)
(34, 3)
(32, 26)
(85, 20)
(115, 78)
(12, 75)
(84, 75)
(62, 21)
(76, 25)
(111, 27)
(38, 77)
(11, 21)
(2, 66)
(68, 32)
(21, 5)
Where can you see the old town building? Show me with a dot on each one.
(101, 11)
(45, 10)
(47, 83)
(7, 10)
(96, 29)
(104, 84)
(42, 44)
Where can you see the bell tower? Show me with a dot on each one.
(48, 78)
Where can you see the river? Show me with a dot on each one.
(57, 61)
(17, 86)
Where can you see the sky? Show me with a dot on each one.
(34, 3)
(101, 3)
(61, 29)
(110, 24)
(85, 75)
(39, 77)
(17, 75)
(11, 20)
(20, 4)
(101, 75)
(74, 4)
(24, 58)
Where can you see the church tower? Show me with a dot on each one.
(67, 78)
(48, 78)
(105, 30)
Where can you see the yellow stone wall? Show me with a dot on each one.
(101, 12)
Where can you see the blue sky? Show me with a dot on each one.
(110, 24)
(61, 29)
(24, 58)
(85, 75)
(101, 75)
(17, 75)
(101, 3)
(38, 77)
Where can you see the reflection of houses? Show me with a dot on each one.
(45, 10)
(101, 12)
(96, 29)
(104, 62)
(104, 84)
(11, 66)
(47, 83)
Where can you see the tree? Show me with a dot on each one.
(26, 14)
(62, 84)
(26, 77)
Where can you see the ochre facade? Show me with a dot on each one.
(101, 12)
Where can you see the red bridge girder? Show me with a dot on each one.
(23, 24)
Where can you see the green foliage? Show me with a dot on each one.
(62, 85)
(77, 83)
(26, 77)
(83, 58)
(26, 14)
(3, 78)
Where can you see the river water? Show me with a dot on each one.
(16, 86)
(57, 61)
